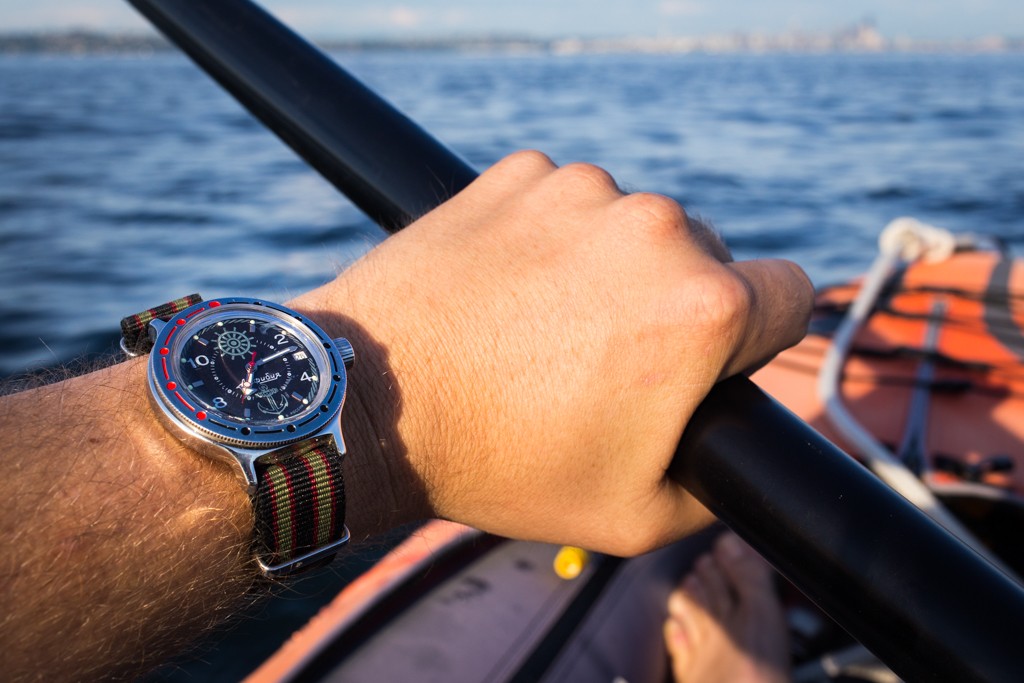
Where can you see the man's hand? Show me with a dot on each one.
(549, 337)
(527, 358)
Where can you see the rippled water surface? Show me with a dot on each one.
(127, 181)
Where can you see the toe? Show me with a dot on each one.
(749, 643)
(676, 642)
(684, 625)
(719, 598)
(745, 570)
(688, 605)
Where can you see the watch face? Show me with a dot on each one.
(248, 371)
(251, 369)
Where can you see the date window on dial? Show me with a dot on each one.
(299, 355)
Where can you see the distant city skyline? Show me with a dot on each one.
(933, 20)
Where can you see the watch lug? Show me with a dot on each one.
(247, 471)
(245, 459)
(155, 327)
(244, 464)
(334, 429)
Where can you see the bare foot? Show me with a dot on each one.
(725, 624)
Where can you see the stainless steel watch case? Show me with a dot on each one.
(225, 439)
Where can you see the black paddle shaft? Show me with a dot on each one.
(388, 166)
(923, 602)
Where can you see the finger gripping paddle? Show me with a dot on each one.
(928, 606)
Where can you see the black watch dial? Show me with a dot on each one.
(251, 368)
(246, 372)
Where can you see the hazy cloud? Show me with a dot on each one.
(454, 18)
(679, 8)
(330, 18)
(42, 15)
(403, 17)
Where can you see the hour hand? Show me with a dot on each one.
(246, 384)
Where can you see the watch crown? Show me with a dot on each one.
(348, 354)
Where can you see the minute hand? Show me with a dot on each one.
(272, 356)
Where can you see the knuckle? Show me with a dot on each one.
(654, 213)
(588, 176)
(726, 303)
(529, 159)
(518, 167)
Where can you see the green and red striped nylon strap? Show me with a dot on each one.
(299, 503)
(135, 328)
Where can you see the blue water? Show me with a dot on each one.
(128, 181)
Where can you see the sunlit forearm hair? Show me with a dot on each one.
(121, 545)
(104, 518)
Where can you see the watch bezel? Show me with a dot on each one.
(205, 422)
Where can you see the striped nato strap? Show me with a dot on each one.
(135, 328)
(300, 501)
(300, 498)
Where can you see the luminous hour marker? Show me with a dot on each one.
(201, 340)
(197, 383)
(297, 396)
(247, 413)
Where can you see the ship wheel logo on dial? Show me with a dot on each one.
(233, 343)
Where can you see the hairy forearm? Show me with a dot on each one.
(534, 386)
(121, 544)
(109, 521)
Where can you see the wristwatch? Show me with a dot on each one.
(260, 387)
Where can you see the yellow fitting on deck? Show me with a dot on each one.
(570, 562)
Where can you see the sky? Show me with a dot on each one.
(919, 19)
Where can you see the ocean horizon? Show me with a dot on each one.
(130, 180)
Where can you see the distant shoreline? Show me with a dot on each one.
(856, 39)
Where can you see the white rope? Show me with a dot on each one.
(904, 239)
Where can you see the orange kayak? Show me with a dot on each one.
(977, 393)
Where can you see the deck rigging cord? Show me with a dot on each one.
(903, 240)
